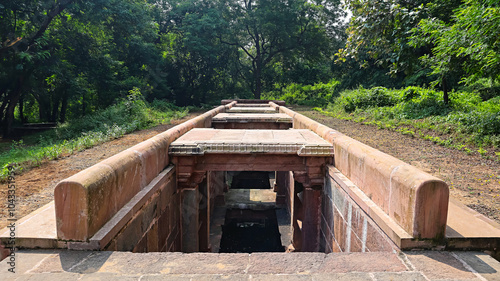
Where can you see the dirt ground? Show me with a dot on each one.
(473, 180)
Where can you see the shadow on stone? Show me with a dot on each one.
(248, 231)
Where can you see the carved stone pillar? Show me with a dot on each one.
(190, 201)
(306, 216)
(281, 187)
(194, 211)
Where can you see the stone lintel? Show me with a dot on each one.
(254, 109)
(252, 101)
(251, 117)
(249, 162)
(252, 105)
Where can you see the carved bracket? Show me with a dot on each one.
(190, 180)
(314, 181)
(187, 175)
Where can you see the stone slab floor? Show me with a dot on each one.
(59, 265)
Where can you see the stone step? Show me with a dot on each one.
(81, 265)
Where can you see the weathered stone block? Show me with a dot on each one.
(129, 177)
(150, 212)
(81, 202)
(163, 228)
(152, 245)
(163, 143)
(130, 235)
(376, 240)
(419, 202)
(168, 191)
(149, 152)
(357, 220)
(142, 245)
(339, 227)
(356, 243)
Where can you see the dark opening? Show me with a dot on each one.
(248, 231)
(250, 180)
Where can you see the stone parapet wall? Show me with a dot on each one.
(86, 201)
(415, 200)
(149, 222)
(345, 227)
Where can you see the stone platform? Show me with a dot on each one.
(58, 265)
(212, 141)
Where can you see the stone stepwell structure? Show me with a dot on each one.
(341, 195)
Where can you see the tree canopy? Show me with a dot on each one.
(63, 59)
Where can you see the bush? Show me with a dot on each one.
(319, 94)
(418, 103)
(467, 116)
(362, 98)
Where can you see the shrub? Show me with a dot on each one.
(319, 94)
(362, 98)
(467, 116)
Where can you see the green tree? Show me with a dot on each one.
(22, 37)
(469, 43)
(382, 29)
(194, 60)
(73, 56)
(263, 30)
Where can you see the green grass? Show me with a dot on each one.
(126, 116)
(467, 123)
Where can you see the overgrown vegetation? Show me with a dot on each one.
(312, 95)
(64, 59)
(466, 122)
(128, 115)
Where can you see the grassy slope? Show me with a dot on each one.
(113, 122)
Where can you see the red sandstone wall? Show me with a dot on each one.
(345, 227)
(155, 226)
(89, 199)
(415, 200)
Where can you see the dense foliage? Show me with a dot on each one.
(429, 42)
(64, 59)
(319, 94)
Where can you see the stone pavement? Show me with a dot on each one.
(58, 265)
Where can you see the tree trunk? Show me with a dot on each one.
(445, 92)
(64, 107)
(258, 83)
(55, 110)
(21, 109)
(9, 113)
(258, 68)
